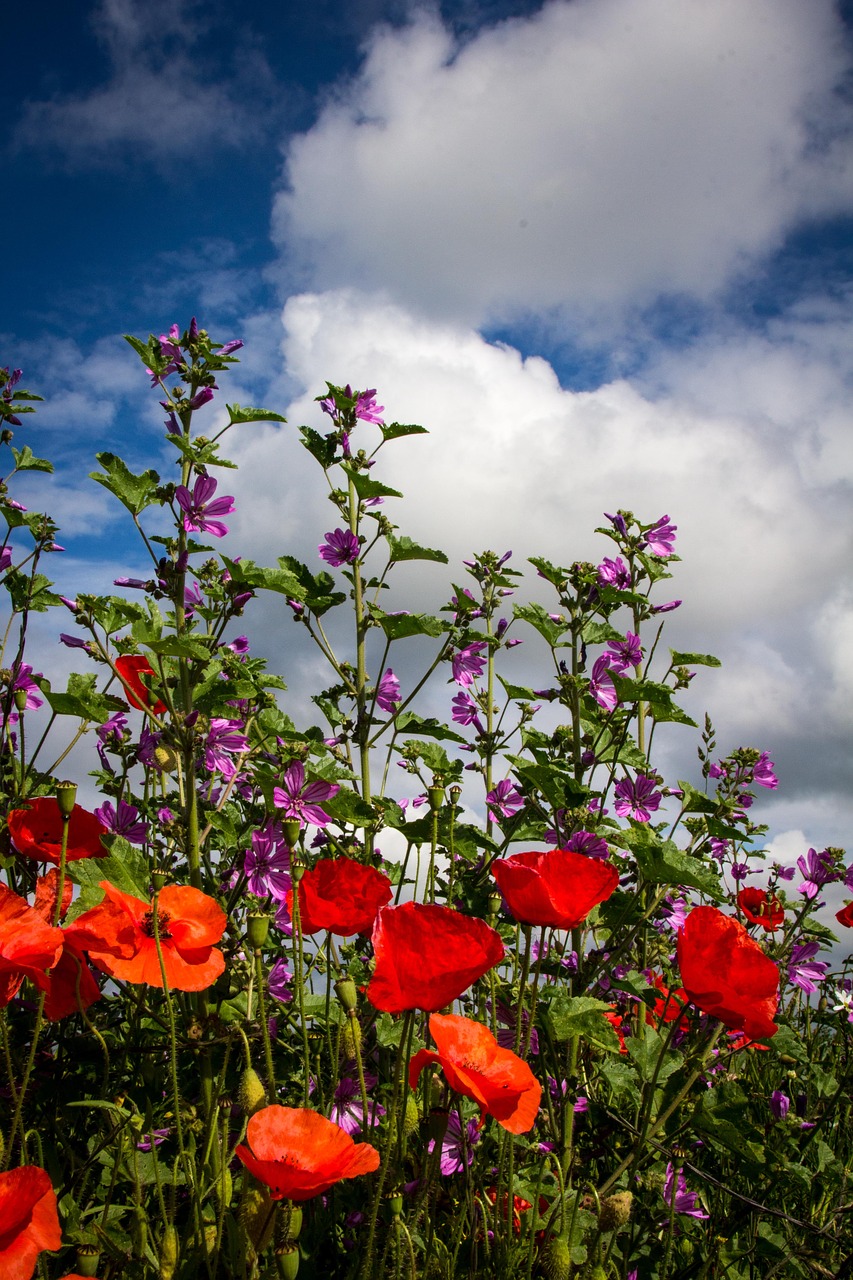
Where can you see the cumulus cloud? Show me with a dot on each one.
(593, 155)
(160, 98)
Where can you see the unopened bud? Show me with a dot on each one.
(169, 1252)
(165, 759)
(347, 993)
(615, 1211)
(556, 1258)
(291, 1220)
(251, 1094)
(66, 797)
(411, 1116)
(138, 1231)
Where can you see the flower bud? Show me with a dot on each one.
(255, 1217)
(251, 1094)
(347, 993)
(66, 796)
(615, 1211)
(138, 1229)
(411, 1116)
(168, 1252)
(165, 759)
(556, 1258)
(257, 928)
(291, 1220)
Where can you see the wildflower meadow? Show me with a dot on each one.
(391, 994)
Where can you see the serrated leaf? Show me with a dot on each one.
(365, 487)
(399, 626)
(694, 801)
(517, 691)
(348, 806)
(646, 1051)
(395, 430)
(538, 618)
(406, 549)
(239, 413)
(582, 1016)
(82, 699)
(25, 460)
(662, 862)
(134, 491)
(599, 633)
(693, 659)
(552, 573)
(180, 647)
(408, 722)
(125, 867)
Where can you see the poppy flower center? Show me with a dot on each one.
(163, 920)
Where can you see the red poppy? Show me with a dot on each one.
(70, 985)
(761, 909)
(558, 888)
(725, 973)
(615, 1019)
(519, 1206)
(845, 915)
(131, 667)
(37, 832)
(28, 1220)
(300, 1154)
(28, 946)
(670, 1005)
(475, 1065)
(426, 956)
(341, 895)
(119, 937)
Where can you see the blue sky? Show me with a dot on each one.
(601, 248)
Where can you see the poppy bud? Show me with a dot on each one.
(347, 993)
(255, 1217)
(138, 1231)
(251, 1094)
(88, 1257)
(287, 1261)
(66, 797)
(257, 928)
(224, 1188)
(615, 1211)
(411, 1116)
(168, 1252)
(557, 1258)
(291, 1220)
(165, 759)
(351, 1036)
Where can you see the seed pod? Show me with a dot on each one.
(66, 796)
(251, 1094)
(556, 1258)
(615, 1211)
(88, 1257)
(347, 993)
(257, 928)
(169, 1251)
(287, 1261)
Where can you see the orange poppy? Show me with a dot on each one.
(726, 974)
(669, 1006)
(37, 832)
(427, 955)
(28, 946)
(132, 667)
(761, 909)
(29, 1222)
(558, 888)
(298, 1153)
(341, 895)
(119, 937)
(475, 1065)
(70, 985)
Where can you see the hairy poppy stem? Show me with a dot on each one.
(393, 1121)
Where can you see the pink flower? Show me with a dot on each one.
(198, 508)
(504, 800)
(340, 547)
(388, 692)
(467, 663)
(295, 799)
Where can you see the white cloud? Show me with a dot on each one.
(596, 154)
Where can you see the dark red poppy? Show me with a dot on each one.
(340, 895)
(558, 888)
(119, 937)
(845, 915)
(29, 1223)
(669, 1006)
(726, 974)
(70, 985)
(426, 956)
(28, 946)
(132, 667)
(761, 909)
(299, 1154)
(37, 832)
(475, 1065)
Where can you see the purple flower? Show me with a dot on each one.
(817, 870)
(123, 821)
(507, 1016)
(278, 983)
(660, 538)
(267, 864)
(23, 680)
(297, 800)
(153, 1139)
(740, 871)
(674, 912)
(589, 843)
(504, 800)
(677, 1197)
(223, 741)
(367, 409)
(601, 684)
(625, 653)
(614, 573)
(467, 663)
(198, 507)
(204, 396)
(618, 522)
(341, 547)
(465, 711)
(457, 1145)
(347, 1108)
(6, 554)
(388, 692)
(668, 607)
(763, 774)
(74, 642)
(637, 799)
(228, 347)
(779, 1104)
(803, 970)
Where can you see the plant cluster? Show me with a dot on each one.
(263, 1015)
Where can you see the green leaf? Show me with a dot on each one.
(320, 447)
(538, 618)
(239, 413)
(367, 488)
(662, 862)
(408, 722)
(136, 492)
(519, 692)
(406, 549)
(125, 868)
(599, 633)
(646, 1050)
(25, 460)
(399, 626)
(550, 572)
(395, 430)
(348, 806)
(388, 1032)
(82, 699)
(693, 659)
(180, 647)
(694, 801)
(621, 1077)
(582, 1016)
